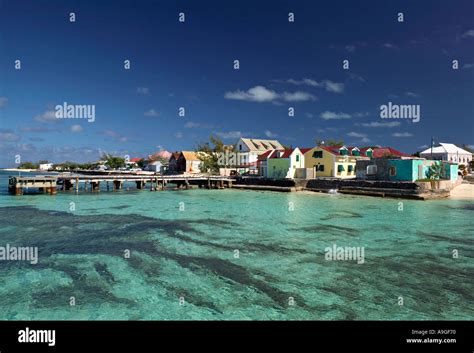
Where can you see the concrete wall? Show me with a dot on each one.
(405, 169)
(265, 181)
(382, 169)
(304, 173)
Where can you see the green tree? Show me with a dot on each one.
(28, 165)
(208, 154)
(330, 142)
(141, 163)
(435, 171)
(112, 161)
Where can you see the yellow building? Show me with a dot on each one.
(338, 162)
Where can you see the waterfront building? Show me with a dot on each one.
(262, 163)
(284, 163)
(173, 162)
(45, 166)
(402, 169)
(448, 152)
(250, 149)
(334, 161)
(154, 166)
(188, 162)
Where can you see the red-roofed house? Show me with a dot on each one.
(334, 161)
(283, 163)
(381, 152)
(262, 162)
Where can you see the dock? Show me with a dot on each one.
(19, 185)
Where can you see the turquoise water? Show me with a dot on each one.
(190, 254)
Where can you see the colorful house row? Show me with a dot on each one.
(403, 169)
(184, 162)
(323, 161)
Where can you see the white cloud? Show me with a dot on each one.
(143, 90)
(36, 129)
(309, 115)
(327, 115)
(178, 135)
(77, 128)
(412, 94)
(262, 94)
(190, 125)
(298, 96)
(402, 134)
(468, 34)
(8, 135)
(3, 102)
(151, 112)
(115, 135)
(255, 94)
(270, 134)
(229, 134)
(465, 66)
(47, 116)
(356, 134)
(379, 124)
(304, 81)
(357, 77)
(333, 86)
(350, 48)
(329, 85)
(422, 147)
(389, 46)
(194, 125)
(361, 114)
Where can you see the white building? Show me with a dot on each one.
(154, 166)
(250, 149)
(45, 166)
(448, 152)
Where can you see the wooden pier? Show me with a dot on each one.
(19, 185)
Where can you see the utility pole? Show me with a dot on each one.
(432, 143)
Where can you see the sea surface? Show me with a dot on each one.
(234, 255)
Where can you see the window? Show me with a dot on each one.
(297, 157)
(318, 154)
(371, 169)
(240, 147)
(355, 153)
(369, 153)
(319, 167)
(392, 171)
(350, 168)
(340, 168)
(343, 152)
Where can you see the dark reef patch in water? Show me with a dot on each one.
(320, 228)
(341, 214)
(119, 233)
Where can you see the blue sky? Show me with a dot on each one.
(191, 65)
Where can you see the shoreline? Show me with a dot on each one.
(463, 191)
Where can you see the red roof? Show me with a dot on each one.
(304, 150)
(380, 152)
(265, 155)
(284, 154)
(377, 152)
(135, 160)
